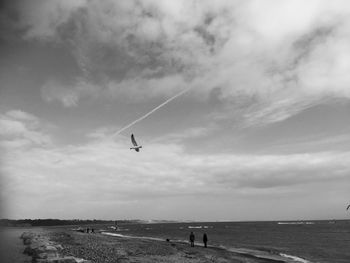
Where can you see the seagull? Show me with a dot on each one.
(136, 147)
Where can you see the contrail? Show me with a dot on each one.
(150, 112)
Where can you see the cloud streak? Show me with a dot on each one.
(151, 112)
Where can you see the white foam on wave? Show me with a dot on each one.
(199, 227)
(296, 259)
(126, 236)
(265, 255)
(295, 223)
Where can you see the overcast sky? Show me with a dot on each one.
(261, 133)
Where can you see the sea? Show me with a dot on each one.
(292, 241)
(11, 246)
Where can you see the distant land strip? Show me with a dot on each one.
(58, 222)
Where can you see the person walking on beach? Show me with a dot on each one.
(192, 239)
(205, 239)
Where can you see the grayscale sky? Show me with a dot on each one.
(262, 132)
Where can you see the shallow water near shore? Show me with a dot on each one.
(11, 246)
(301, 241)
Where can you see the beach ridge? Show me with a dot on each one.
(74, 246)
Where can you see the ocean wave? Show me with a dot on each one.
(126, 236)
(199, 227)
(296, 259)
(121, 229)
(270, 256)
(295, 223)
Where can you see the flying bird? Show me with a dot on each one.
(136, 147)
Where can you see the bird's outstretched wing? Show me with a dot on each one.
(348, 207)
(133, 140)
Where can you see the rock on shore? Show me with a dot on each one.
(45, 251)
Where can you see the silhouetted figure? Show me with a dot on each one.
(205, 239)
(87, 230)
(92, 230)
(192, 239)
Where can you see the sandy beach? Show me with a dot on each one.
(99, 248)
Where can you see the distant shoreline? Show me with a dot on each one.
(77, 222)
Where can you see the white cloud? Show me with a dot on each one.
(190, 133)
(68, 94)
(44, 17)
(21, 115)
(156, 48)
(102, 132)
(18, 128)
